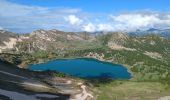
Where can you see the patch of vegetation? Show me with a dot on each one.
(129, 90)
(59, 74)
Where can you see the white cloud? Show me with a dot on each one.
(105, 27)
(73, 20)
(69, 11)
(89, 27)
(97, 27)
(9, 9)
(136, 20)
(139, 21)
(130, 22)
(24, 18)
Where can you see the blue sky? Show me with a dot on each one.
(84, 15)
(101, 6)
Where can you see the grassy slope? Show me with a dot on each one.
(129, 90)
(151, 75)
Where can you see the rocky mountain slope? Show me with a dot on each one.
(19, 84)
(53, 40)
(7, 40)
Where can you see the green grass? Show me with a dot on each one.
(129, 90)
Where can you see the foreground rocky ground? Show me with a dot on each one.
(19, 84)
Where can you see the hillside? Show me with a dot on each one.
(146, 56)
(53, 40)
(141, 54)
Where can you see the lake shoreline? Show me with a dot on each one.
(85, 57)
(83, 68)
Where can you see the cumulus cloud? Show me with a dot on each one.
(24, 18)
(97, 27)
(105, 27)
(73, 20)
(132, 22)
(89, 27)
(139, 21)
(136, 20)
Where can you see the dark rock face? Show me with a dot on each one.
(11, 78)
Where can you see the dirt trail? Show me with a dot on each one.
(83, 95)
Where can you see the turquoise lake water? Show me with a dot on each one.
(84, 68)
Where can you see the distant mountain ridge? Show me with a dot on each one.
(53, 40)
(161, 32)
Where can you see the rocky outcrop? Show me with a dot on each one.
(53, 40)
(8, 40)
(33, 85)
